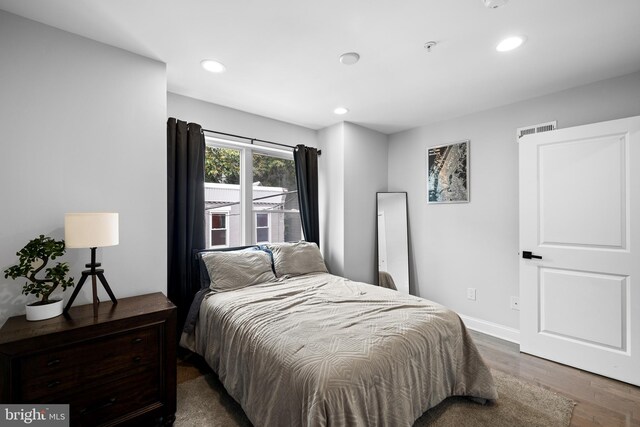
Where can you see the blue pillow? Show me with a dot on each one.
(268, 250)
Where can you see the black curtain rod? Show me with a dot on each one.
(252, 139)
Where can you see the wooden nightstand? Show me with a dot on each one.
(117, 369)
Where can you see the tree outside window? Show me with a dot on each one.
(274, 194)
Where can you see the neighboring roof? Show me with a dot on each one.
(222, 195)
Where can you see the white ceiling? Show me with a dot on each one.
(282, 55)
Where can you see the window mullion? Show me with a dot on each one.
(246, 191)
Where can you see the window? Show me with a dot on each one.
(222, 202)
(218, 230)
(275, 197)
(265, 211)
(262, 227)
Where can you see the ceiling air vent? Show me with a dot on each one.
(541, 127)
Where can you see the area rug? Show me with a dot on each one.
(204, 402)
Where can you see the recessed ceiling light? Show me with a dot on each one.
(349, 58)
(213, 66)
(510, 43)
(341, 110)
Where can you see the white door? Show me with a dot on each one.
(580, 212)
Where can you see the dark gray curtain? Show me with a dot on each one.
(306, 160)
(185, 210)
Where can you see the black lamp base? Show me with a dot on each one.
(94, 273)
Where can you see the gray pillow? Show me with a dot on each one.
(294, 259)
(237, 269)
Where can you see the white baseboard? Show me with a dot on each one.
(489, 328)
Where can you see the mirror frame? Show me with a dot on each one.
(406, 202)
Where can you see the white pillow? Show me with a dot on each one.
(294, 259)
(237, 269)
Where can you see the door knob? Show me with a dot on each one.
(529, 255)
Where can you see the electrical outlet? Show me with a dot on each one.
(515, 303)
(471, 294)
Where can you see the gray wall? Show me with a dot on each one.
(83, 129)
(223, 119)
(353, 169)
(476, 244)
(365, 173)
(331, 196)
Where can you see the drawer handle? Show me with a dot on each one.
(53, 384)
(98, 406)
(136, 340)
(53, 362)
(137, 359)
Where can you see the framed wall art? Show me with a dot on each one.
(448, 173)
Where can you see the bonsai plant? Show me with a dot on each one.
(33, 259)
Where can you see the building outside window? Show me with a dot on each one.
(262, 227)
(221, 193)
(218, 230)
(271, 213)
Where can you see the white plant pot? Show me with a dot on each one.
(45, 311)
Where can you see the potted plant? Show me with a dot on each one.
(33, 259)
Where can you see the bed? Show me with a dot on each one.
(297, 346)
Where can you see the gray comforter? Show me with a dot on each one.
(320, 350)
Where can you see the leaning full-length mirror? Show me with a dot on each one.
(393, 244)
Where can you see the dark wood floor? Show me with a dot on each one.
(600, 401)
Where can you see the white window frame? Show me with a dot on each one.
(247, 217)
(210, 228)
(268, 227)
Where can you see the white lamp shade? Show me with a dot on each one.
(91, 230)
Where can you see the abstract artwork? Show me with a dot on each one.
(448, 173)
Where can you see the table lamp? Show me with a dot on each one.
(91, 230)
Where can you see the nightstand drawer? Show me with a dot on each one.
(112, 400)
(89, 362)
